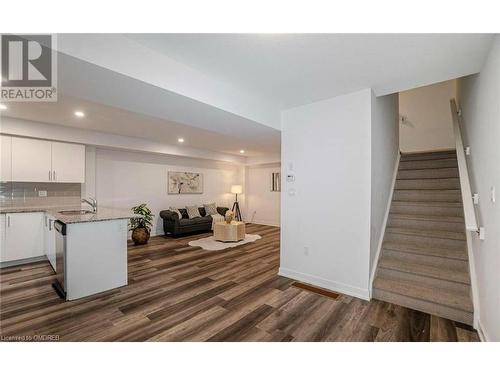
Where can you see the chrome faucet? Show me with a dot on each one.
(92, 202)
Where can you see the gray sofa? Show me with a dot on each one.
(176, 226)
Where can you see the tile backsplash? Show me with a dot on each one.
(27, 193)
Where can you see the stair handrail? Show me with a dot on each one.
(468, 204)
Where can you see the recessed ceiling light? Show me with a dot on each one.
(242, 151)
(79, 114)
(3, 107)
(180, 140)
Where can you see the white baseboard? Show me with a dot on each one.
(327, 284)
(483, 336)
(384, 224)
(19, 262)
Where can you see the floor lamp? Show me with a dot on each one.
(236, 189)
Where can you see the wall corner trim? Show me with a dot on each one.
(334, 286)
(384, 224)
(483, 336)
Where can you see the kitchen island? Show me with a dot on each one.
(90, 247)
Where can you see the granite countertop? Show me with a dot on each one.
(102, 214)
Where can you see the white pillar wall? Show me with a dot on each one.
(326, 200)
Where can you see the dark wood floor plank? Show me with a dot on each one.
(182, 293)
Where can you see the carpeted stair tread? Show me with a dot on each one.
(452, 286)
(423, 263)
(428, 204)
(432, 173)
(428, 208)
(424, 306)
(428, 164)
(428, 233)
(425, 223)
(448, 195)
(430, 250)
(423, 291)
(428, 184)
(446, 269)
(428, 155)
(423, 241)
(449, 219)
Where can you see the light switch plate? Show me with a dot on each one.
(475, 198)
(493, 194)
(42, 193)
(482, 233)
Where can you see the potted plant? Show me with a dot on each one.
(141, 225)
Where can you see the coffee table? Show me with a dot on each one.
(233, 232)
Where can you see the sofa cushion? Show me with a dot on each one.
(210, 209)
(175, 210)
(193, 211)
(184, 213)
(207, 220)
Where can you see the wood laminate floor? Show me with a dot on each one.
(182, 293)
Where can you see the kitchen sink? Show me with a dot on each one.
(75, 212)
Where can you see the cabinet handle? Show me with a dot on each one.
(54, 176)
(45, 221)
(8, 221)
(50, 224)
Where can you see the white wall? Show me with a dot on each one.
(325, 213)
(429, 125)
(384, 156)
(479, 97)
(125, 179)
(263, 205)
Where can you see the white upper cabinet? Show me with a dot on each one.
(31, 160)
(5, 158)
(34, 160)
(68, 162)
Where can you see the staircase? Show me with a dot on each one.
(423, 262)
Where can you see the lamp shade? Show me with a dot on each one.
(236, 189)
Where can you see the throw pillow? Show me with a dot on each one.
(173, 209)
(193, 211)
(211, 209)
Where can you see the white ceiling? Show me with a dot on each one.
(224, 92)
(296, 69)
(113, 120)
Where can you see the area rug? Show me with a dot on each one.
(209, 243)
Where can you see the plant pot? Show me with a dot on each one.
(140, 236)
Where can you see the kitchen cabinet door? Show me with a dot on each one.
(31, 160)
(6, 158)
(68, 162)
(24, 236)
(2, 237)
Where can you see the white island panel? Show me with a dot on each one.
(96, 257)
